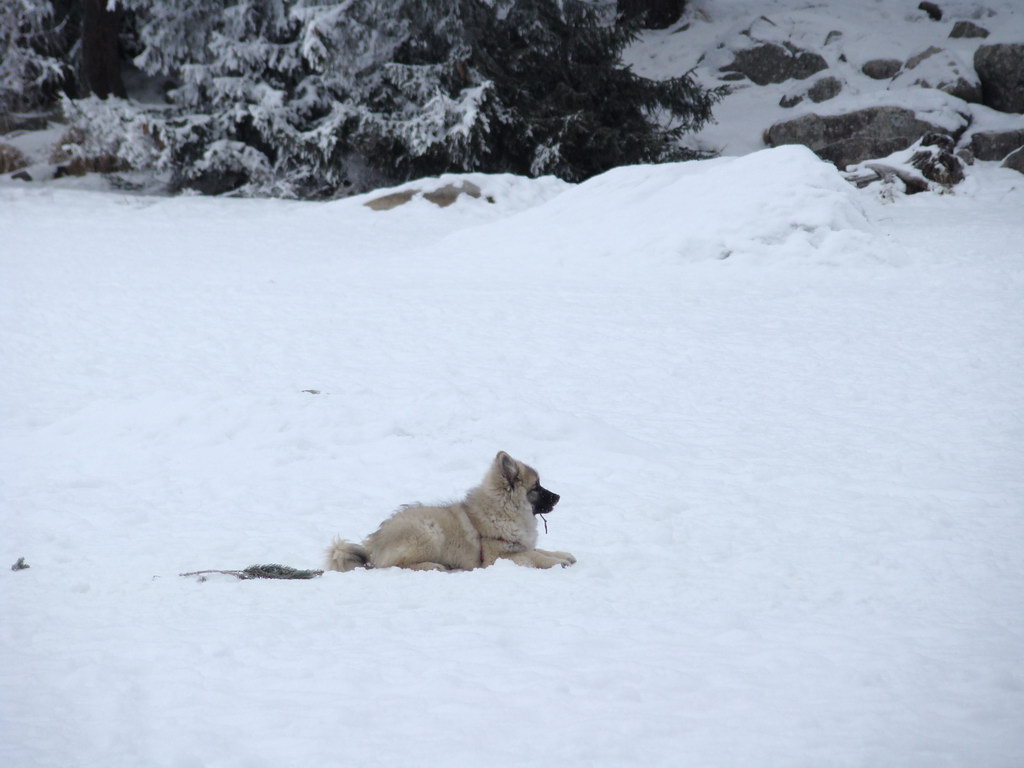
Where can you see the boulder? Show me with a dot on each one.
(855, 136)
(22, 121)
(824, 89)
(965, 154)
(442, 197)
(882, 69)
(995, 145)
(929, 164)
(771, 63)
(11, 158)
(914, 61)
(933, 11)
(1001, 71)
(968, 29)
(1015, 161)
(387, 202)
(938, 68)
(449, 193)
(934, 158)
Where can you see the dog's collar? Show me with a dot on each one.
(518, 545)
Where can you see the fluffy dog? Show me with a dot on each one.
(496, 519)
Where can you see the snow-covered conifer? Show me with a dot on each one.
(32, 42)
(323, 97)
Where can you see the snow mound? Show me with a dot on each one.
(781, 203)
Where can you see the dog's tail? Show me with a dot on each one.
(345, 556)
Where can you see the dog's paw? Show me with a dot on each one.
(564, 558)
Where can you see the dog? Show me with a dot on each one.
(497, 519)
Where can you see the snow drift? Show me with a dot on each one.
(777, 204)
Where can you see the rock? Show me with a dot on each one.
(1001, 71)
(935, 160)
(21, 121)
(21, 176)
(441, 197)
(11, 158)
(938, 68)
(853, 137)
(995, 145)
(882, 69)
(964, 89)
(968, 29)
(448, 194)
(387, 202)
(824, 89)
(927, 165)
(872, 171)
(771, 63)
(933, 11)
(733, 76)
(914, 61)
(1015, 162)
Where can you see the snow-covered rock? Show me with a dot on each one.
(771, 63)
(882, 69)
(996, 145)
(929, 164)
(935, 67)
(846, 139)
(1015, 161)
(965, 28)
(1001, 69)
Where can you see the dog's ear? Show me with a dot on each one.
(508, 467)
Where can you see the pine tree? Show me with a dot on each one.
(316, 98)
(34, 52)
(529, 87)
(565, 103)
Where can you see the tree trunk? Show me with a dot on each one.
(652, 14)
(101, 59)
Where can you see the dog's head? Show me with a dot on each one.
(522, 481)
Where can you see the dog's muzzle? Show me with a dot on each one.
(544, 502)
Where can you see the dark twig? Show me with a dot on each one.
(269, 571)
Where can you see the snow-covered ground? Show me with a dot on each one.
(786, 420)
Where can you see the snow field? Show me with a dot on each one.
(790, 476)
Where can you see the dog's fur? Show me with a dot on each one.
(496, 519)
